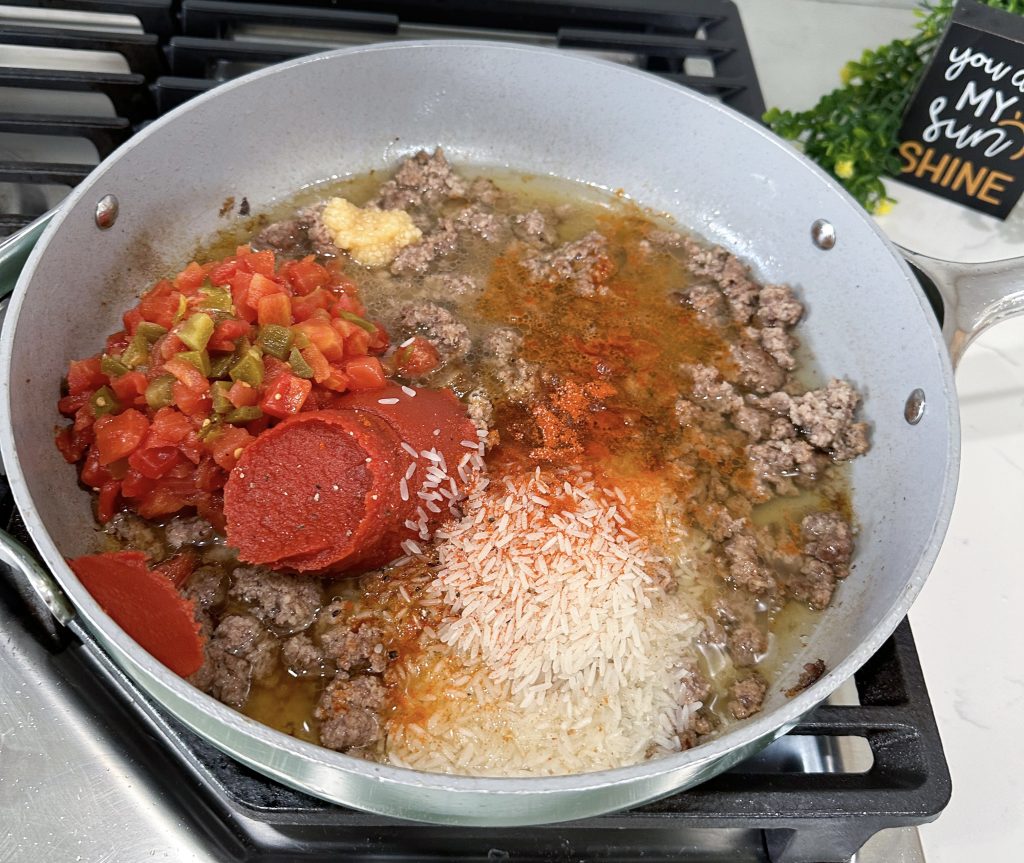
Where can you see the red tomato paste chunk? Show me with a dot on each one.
(146, 605)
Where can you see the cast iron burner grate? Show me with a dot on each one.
(157, 54)
(788, 804)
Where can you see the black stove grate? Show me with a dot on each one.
(160, 53)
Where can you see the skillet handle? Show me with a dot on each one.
(44, 585)
(15, 249)
(974, 296)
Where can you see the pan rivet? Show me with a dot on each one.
(823, 234)
(913, 410)
(106, 212)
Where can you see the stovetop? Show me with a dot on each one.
(118, 778)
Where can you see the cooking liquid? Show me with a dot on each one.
(635, 339)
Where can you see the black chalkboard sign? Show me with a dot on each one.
(963, 132)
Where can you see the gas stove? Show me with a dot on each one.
(95, 770)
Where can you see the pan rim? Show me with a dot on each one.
(143, 666)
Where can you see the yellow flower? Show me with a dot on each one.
(846, 73)
(844, 169)
(882, 207)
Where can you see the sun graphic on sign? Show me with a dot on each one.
(1016, 121)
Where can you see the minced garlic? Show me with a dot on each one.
(371, 237)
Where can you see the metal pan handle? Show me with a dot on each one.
(15, 249)
(974, 296)
(15, 555)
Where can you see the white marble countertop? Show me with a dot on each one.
(967, 620)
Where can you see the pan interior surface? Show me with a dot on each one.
(541, 112)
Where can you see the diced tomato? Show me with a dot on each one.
(327, 340)
(222, 272)
(318, 362)
(416, 358)
(188, 375)
(72, 444)
(261, 286)
(240, 282)
(85, 376)
(83, 419)
(132, 318)
(209, 476)
(69, 405)
(227, 445)
(357, 344)
(242, 395)
(106, 503)
(189, 401)
(305, 276)
(165, 498)
(136, 485)
(274, 309)
(379, 341)
(365, 373)
(169, 427)
(337, 381)
(211, 508)
(178, 568)
(130, 389)
(161, 304)
(118, 435)
(189, 279)
(303, 307)
(285, 395)
(93, 474)
(154, 462)
(260, 262)
(227, 333)
(192, 447)
(116, 343)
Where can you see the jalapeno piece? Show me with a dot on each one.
(112, 367)
(248, 369)
(150, 331)
(220, 365)
(103, 402)
(196, 331)
(219, 394)
(300, 368)
(199, 359)
(216, 299)
(243, 415)
(159, 393)
(137, 352)
(275, 340)
(358, 321)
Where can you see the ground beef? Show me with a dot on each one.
(289, 238)
(583, 265)
(207, 588)
(778, 307)
(746, 644)
(349, 711)
(479, 409)
(777, 464)
(746, 569)
(484, 191)
(754, 368)
(188, 531)
(439, 326)
(535, 228)
(710, 391)
(138, 535)
(421, 181)
(755, 423)
(707, 301)
(286, 602)
(355, 650)
(779, 345)
(810, 675)
(702, 723)
(418, 257)
(517, 377)
(302, 656)
(483, 223)
(747, 696)
(695, 686)
(239, 652)
(825, 417)
(450, 285)
(729, 274)
(827, 537)
(813, 584)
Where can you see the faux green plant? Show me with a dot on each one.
(852, 131)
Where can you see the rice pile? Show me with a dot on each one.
(562, 651)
